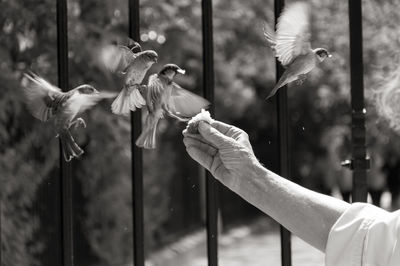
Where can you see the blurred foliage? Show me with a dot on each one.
(244, 72)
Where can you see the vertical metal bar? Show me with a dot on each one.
(208, 89)
(359, 162)
(1, 202)
(283, 139)
(137, 155)
(65, 172)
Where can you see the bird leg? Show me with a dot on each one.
(132, 87)
(180, 119)
(301, 78)
(78, 122)
(142, 88)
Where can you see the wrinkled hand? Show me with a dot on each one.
(224, 150)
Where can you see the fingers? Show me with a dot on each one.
(200, 151)
(212, 135)
(200, 156)
(221, 127)
(194, 136)
(197, 143)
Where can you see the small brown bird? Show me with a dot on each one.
(291, 45)
(132, 67)
(164, 96)
(48, 103)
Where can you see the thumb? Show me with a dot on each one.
(212, 135)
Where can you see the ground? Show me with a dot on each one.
(244, 245)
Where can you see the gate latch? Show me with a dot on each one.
(357, 163)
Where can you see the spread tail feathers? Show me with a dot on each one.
(69, 147)
(128, 99)
(147, 138)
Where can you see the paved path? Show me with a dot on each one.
(239, 247)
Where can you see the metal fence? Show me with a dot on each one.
(359, 163)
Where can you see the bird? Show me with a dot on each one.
(291, 44)
(165, 97)
(131, 67)
(48, 103)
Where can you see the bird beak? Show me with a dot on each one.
(181, 71)
(96, 91)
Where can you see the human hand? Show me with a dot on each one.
(224, 150)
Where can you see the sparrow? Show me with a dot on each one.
(49, 104)
(165, 97)
(132, 68)
(291, 45)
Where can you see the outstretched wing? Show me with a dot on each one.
(270, 37)
(154, 91)
(42, 99)
(184, 103)
(293, 32)
(79, 103)
(116, 57)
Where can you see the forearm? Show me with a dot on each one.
(307, 214)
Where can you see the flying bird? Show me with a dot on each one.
(165, 97)
(48, 103)
(131, 67)
(291, 44)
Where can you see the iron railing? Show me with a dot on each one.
(359, 163)
(67, 248)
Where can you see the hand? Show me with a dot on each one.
(224, 150)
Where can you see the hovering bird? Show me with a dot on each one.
(291, 44)
(164, 96)
(131, 67)
(48, 103)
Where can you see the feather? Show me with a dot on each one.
(116, 58)
(40, 96)
(184, 103)
(293, 32)
(155, 89)
(79, 103)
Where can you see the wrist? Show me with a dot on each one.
(248, 183)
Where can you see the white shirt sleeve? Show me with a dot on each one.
(364, 235)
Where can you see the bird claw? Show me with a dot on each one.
(132, 87)
(142, 88)
(79, 122)
(180, 119)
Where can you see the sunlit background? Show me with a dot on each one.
(174, 208)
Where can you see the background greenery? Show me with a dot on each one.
(244, 73)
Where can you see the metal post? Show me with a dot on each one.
(283, 139)
(208, 89)
(360, 162)
(66, 169)
(137, 155)
(1, 202)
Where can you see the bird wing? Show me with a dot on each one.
(117, 58)
(43, 99)
(184, 103)
(155, 88)
(79, 103)
(270, 37)
(293, 32)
